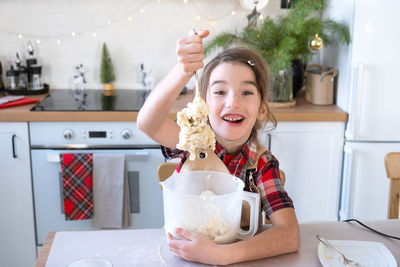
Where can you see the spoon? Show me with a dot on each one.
(196, 73)
(346, 261)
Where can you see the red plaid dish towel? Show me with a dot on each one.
(77, 185)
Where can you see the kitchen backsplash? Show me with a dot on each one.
(135, 31)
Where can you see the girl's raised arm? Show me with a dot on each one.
(152, 118)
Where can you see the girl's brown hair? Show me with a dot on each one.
(253, 60)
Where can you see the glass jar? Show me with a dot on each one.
(37, 83)
(13, 76)
(23, 78)
(281, 86)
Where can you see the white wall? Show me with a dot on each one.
(149, 37)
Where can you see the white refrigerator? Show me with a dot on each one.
(369, 90)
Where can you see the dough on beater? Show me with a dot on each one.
(195, 131)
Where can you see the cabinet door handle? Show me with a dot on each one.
(13, 146)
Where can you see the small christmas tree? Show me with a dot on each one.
(107, 76)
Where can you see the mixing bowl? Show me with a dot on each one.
(208, 203)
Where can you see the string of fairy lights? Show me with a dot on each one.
(128, 16)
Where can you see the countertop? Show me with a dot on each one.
(147, 247)
(302, 112)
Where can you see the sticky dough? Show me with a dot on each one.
(195, 131)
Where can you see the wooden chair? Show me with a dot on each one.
(165, 170)
(392, 165)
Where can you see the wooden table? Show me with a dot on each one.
(306, 256)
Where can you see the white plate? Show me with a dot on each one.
(365, 253)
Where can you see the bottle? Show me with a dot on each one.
(37, 83)
(23, 77)
(2, 87)
(13, 77)
(30, 64)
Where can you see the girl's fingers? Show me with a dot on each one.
(170, 237)
(203, 33)
(190, 52)
(177, 255)
(194, 48)
(185, 234)
(192, 58)
(190, 68)
(187, 49)
(175, 250)
(189, 39)
(173, 245)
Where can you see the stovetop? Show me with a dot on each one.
(92, 100)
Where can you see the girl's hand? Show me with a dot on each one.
(194, 247)
(189, 50)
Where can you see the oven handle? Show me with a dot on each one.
(137, 156)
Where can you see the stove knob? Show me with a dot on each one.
(68, 134)
(126, 133)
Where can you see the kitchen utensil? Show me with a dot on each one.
(208, 203)
(206, 160)
(196, 73)
(346, 260)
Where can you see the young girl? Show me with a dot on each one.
(234, 86)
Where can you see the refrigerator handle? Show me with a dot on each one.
(347, 181)
(352, 131)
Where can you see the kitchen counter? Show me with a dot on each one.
(303, 111)
(147, 247)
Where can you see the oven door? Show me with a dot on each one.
(145, 193)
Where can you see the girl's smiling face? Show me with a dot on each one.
(235, 104)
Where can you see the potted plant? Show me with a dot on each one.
(107, 76)
(291, 38)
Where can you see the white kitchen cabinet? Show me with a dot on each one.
(16, 207)
(310, 154)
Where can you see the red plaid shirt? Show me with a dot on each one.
(266, 176)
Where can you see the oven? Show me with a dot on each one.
(142, 155)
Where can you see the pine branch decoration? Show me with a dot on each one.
(287, 38)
